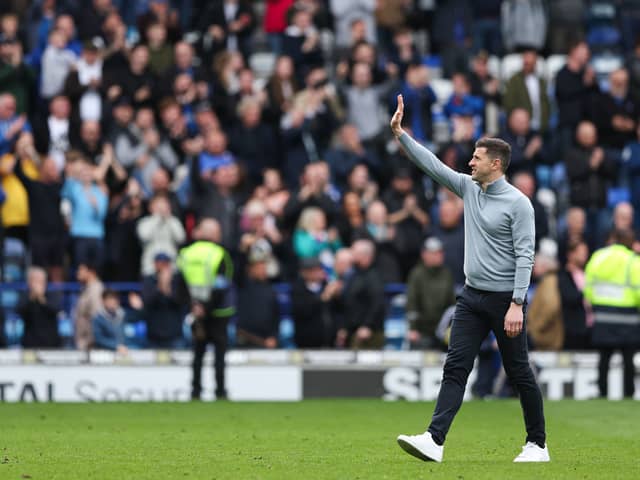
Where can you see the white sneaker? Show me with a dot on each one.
(531, 452)
(421, 446)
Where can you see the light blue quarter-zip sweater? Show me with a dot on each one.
(499, 227)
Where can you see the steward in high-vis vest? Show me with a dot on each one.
(612, 286)
(207, 271)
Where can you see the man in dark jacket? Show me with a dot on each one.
(364, 301)
(258, 309)
(163, 309)
(311, 306)
(429, 293)
(39, 316)
(591, 170)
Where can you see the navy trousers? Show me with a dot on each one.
(477, 312)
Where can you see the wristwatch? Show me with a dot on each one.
(517, 301)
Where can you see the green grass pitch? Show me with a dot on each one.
(326, 439)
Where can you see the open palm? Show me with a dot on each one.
(396, 120)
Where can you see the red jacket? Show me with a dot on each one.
(275, 17)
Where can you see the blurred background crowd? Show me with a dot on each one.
(124, 124)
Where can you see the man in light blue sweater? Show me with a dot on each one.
(498, 258)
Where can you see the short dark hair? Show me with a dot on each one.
(624, 237)
(496, 148)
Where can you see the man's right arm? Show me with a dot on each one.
(424, 158)
(432, 165)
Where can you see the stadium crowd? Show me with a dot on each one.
(124, 124)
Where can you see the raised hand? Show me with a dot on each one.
(396, 120)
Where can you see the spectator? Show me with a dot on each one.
(451, 35)
(160, 51)
(379, 230)
(162, 306)
(359, 182)
(160, 11)
(574, 231)
(57, 62)
(527, 90)
(484, 85)
(450, 231)
(364, 301)
(575, 85)
(47, 235)
(430, 291)
(527, 146)
(66, 24)
(16, 77)
(307, 127)
(15, 208)
(312, 301)
(566, 22)
(161, 185)
(632, 64)
(408, 214)
(346, 13)
(559, 317)
(419, 99)
(524, 22)
(486, 27)
(159, 232)
(182, 135)
(281, 87)
(53, 134)
(82, 85)
(123, 250)
(183, 62)
(631, 165)
(258, 309)
(312, 238)
(11, 125)
(90, 142)
(39, 315)
(403, 52)
(261, 235)
(591, 171)
(227, 25)
(275, 22)
(351, 222)
(525, 182)
(464, 111)
(348, 153)
(622, 217)
(88, 304)
(3, 337)
(302, 41)
(135, 81)
(616, 112)
(108, 323)
(88, 211)
(92, 18)
(312, 193)
(363, 104)
(213, 196)
(252, 140)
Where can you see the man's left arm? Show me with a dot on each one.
(523, 236)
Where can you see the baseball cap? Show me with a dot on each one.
(162, 257)
(432, 244)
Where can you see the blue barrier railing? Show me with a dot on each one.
(10, 293)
